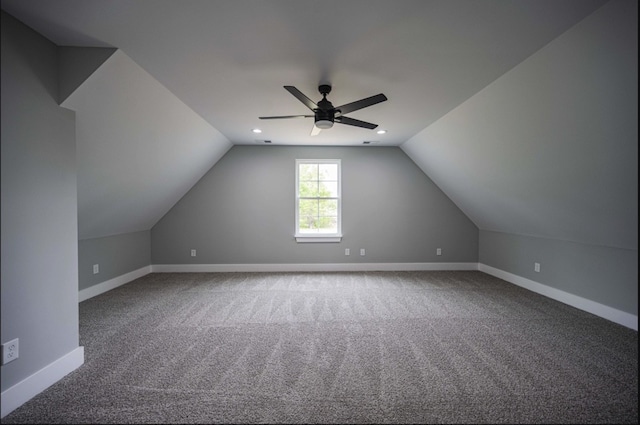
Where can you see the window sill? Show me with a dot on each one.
(318, 238)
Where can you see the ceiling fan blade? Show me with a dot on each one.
(362, 103)
(354, 122)
(315, 131)
(286, 116)
(301, 97)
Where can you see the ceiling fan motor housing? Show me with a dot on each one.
(324, 119)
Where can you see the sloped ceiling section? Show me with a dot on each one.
(139, 148)
(550, 149)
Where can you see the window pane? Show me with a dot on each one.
(308, 207)
(308, 189)
(328, 189)
(328, 172)
(327, 224)
(328, 207)
(306, 223)
(308, 172)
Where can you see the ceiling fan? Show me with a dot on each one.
(325, 114)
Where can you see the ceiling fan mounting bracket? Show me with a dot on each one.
(324, 89)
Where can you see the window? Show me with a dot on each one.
(318, 200)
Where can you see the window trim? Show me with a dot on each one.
(318, 237)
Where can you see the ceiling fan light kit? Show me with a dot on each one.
(324, 123)
(325, 114)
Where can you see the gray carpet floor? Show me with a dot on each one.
(369, 347)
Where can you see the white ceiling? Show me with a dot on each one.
(524, 112)
(228, 60)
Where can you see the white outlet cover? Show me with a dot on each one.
(10, 351)
(96, 268)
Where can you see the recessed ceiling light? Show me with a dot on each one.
(381, 131)
(257, 130)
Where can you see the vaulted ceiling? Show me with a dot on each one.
(477, 97)
(228, 60)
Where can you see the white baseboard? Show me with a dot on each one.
(309, 267)
(110, 284)
(23, 391)
(601, 310)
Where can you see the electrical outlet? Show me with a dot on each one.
(438, 251)
(362, 251)
(96, 268)
(347, 251)
(10, 351)
(536, 267)
(193, 252)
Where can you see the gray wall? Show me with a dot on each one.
(598, 273)
(116, 255)
(242, 211)
(39, 206)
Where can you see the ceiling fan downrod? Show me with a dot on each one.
(325, 114)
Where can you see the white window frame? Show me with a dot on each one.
(318, 237)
